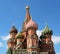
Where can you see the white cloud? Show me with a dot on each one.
(55, 39)
(5, 38)
(57, 52)
(1, 44)
(38, 33)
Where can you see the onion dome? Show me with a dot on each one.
(11, 40)
(13, 30)
(46, 30)
(42, 36)
(31, 24)
(19, 35)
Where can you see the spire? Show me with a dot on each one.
(27, 18)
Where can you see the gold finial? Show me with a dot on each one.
(27, 9)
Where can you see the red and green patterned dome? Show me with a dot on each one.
(31, 24)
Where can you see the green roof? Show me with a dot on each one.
(19, 50)
(19, 35)
(46, 30)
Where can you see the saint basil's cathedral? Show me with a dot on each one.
(27, 41)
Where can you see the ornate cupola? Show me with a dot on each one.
(19, 39)
(27, 18)
(48, 33)
(11, 43)
(19, 35)
(13, 30)
(46, 30)
(32, 25)
(32, 38)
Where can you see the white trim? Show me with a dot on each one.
(43, 52)
(32, 52)
(23, 53)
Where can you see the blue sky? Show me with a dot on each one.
(12, 12)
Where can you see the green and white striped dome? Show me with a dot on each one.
(19, 35)
(46, 30)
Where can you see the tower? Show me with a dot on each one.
(32, 38)
(48, 33)
(13, 32)
(27, 18)
(11, 43)
(19, 39)
(11, 46)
